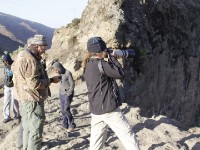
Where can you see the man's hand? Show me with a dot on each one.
(55, 79)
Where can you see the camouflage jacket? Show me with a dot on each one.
(30, 79)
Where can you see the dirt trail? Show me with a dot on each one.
(159, 133)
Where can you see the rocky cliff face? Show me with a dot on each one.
(163, 78)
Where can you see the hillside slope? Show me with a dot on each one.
(14, 31)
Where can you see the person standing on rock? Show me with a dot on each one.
(104, 105)
(9, 96)
(66, 94)
(31, 85)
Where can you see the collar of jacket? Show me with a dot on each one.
(34, 54)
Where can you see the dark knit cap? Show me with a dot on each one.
(58, 66)
(96, 45)
(7, 58)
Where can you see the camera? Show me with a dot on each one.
(128, 53)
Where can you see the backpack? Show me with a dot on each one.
(8, 77)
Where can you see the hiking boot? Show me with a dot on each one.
(7, 120)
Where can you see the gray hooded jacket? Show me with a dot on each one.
(67, 82)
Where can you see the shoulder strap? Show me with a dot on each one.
(102, 73)
(101, 68)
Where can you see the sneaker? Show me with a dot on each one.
(66, 129)
(70, 129)
(6, 120)
(17, 117)
(61, 127)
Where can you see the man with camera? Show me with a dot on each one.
(100, 78)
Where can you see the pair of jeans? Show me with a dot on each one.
(8, 99)
(118, 123)
(33, 117)
(65, 102)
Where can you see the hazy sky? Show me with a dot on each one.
(52, 13)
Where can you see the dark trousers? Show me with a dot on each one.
(65, 102)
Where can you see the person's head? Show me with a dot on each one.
(96, 45)
(7, 59)
(96, 49)
(39, 44)
(58, 68)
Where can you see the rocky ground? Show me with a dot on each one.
(157, 133)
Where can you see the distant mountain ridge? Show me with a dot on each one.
(15, 31)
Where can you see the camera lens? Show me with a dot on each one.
(128, 53)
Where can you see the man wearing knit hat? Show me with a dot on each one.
(31, 86)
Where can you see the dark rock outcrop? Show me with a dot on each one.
(167, 81)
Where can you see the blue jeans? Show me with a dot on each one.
(65, 102)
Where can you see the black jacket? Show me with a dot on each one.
(100, 88)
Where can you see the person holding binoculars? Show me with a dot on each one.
(104, 104)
